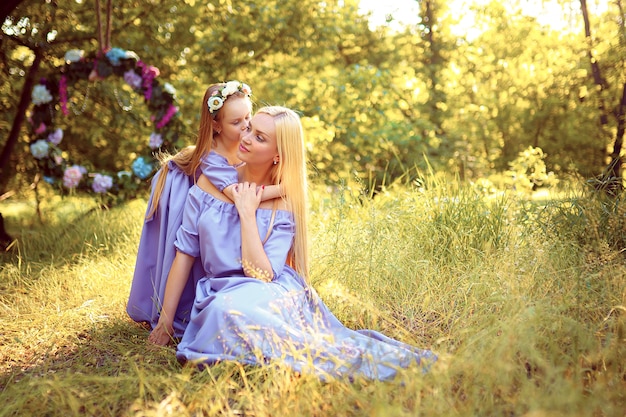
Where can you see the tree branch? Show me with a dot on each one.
(29, 81)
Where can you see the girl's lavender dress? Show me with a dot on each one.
(235, 317)
(156, 250)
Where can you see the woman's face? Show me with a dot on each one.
(258, 142)
(234, 118)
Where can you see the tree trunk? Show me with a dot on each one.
(610, 181)
(6, 7)
(434, 62)
(5, 239)
(595, 68)
(616, 158)
(29, 81)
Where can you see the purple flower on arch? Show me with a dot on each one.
(133, 79)
(156, 140)
(101, 183)
(56, 137)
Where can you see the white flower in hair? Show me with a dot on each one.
(215, 103)
(245, 88)
(230, 88)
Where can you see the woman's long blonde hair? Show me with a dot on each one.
(291, 173)
(190, 158)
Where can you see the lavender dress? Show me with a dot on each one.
(156, 250)
(235, 317)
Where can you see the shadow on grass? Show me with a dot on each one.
(112, 370)
(72, 228)
(101, 371)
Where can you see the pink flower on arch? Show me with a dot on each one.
(72, 176)
(41, 128)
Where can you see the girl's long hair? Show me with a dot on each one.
(190, 158)
(291, 173)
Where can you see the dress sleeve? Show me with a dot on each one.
(187, 235)
(279, 242)
(216, 168)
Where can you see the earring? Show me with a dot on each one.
(275, 162)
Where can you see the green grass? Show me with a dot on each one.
(524, 301)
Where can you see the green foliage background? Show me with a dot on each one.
(377, 103)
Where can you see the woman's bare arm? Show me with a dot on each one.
(176, 280)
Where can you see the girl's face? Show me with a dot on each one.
(258, 142)
(233, 119)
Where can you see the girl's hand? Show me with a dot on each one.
(162, 334)
(247, 198)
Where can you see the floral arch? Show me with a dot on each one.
(50, 96)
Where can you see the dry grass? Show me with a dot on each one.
(524, 301)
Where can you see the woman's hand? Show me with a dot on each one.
(247, 198)
(162, 334)
(253, 257)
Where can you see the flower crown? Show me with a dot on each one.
(217, 99)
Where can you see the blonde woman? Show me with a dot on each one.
(254, 304)
(225, 113)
